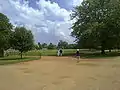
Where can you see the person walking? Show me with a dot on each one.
(78, 55)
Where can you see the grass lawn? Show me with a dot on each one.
(85, 53)
(98, 55)
(16, 59)
(66, 52)
(71, 52)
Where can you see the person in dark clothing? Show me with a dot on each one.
(78, 55)
(61, 52)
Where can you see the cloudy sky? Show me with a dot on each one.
(49, 20)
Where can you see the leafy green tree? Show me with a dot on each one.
(35, 47)
(72, 46)
(97, 24)
(51, 46)
(40, 46)
(22, 40)
(62, 44)
(44, 45)
(5, 31)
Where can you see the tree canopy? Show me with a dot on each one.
(62, 44)
(5, 31)
(97, 24)
(40, 46)
(44, 45)
(51, 46)
(22, 39)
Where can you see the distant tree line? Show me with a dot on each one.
(61, 44)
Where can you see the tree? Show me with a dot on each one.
(5, 31)
(62, 44)
(22, 40)
(51, 46)
(97, 24)
(36, 47)
(72, 46)
(40, 46)
(44, 45)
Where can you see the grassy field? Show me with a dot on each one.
(66, 52)
(85, 53)
(16, 59)
(71, 52)
(35, 54)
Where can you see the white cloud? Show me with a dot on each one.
(49, 23)
(77, 2)
(53, 9)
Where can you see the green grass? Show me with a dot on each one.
(99, 55)
(66, 52)
(16, 59)
(35, 55)
(85, 53)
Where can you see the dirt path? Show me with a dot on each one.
(61, 73)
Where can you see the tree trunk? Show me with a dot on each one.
(109, 50)
(102, 47)
(102, 51)
(1, 53)
(21, 55)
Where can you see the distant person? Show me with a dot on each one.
(78, 55)
(60, 52)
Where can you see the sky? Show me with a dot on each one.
(49, 20)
